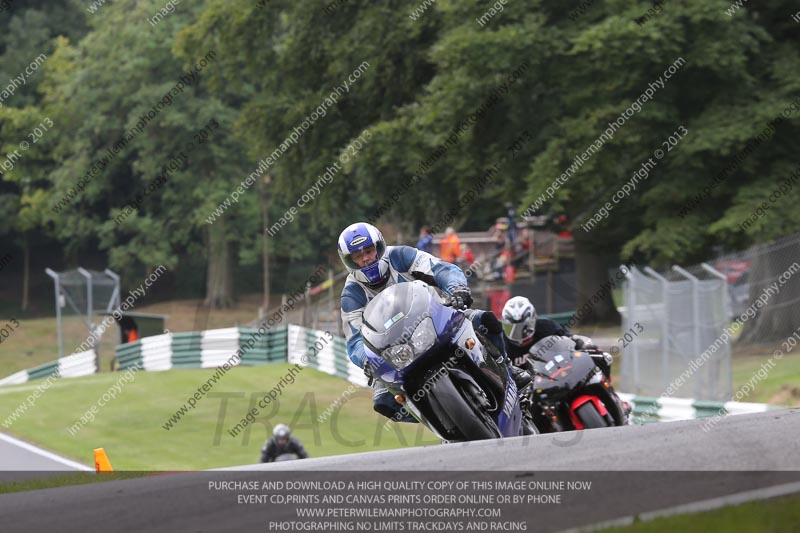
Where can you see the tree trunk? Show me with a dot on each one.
(593, 284)
(779, 317)
(265, 204)
(26, 272)
(219, 280)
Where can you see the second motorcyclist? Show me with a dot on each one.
(523, 329)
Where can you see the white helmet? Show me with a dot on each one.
(356, 237)
(519, 320)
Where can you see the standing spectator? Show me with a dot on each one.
(130, 331)
(562, 226)
(512, 225)
(523, 245)
(500, 233)
(467, 262)
(449, 246)
(466, 253)
(425, 242)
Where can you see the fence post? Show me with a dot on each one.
(696, 328)
(726, 313)
(306, 307)
(89, 311)
(664, 324)
(631, 320)
(628, 319)
(725, 296)
(53, 274)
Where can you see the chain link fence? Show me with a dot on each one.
(670, 319)
(82, 299)
(681, 326)
(765, 273)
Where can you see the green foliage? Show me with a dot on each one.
(275, 64)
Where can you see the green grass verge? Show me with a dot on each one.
(130, 426)
(35, 342)
(781, 385)
(80, 478)
(780, 515)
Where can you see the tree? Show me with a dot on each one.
(119, 103)
(27, 40)
(302, 56)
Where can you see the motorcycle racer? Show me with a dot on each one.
(281, 443)
(523, 328)
(373, 267)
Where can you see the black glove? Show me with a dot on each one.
(583, 343)
(461, 298)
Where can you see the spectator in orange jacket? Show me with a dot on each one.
(449, 246)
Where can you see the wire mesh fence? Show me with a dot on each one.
(765, 289)
(669, 322)
(82, 299)
(680, 327)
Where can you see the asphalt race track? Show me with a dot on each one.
(761, 441)
(21, 456)
(633, 470)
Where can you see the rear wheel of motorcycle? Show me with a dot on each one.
(590, 417)
(470, 421)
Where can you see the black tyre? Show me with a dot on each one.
(589, 416)
(528, 427)
(469, 420)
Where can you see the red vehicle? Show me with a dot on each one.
(733, 269)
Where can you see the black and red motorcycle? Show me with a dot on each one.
(571, 388)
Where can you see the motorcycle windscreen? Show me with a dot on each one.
(552, 345)
(560, 363)
(392, 316)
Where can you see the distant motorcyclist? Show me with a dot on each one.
(281, 443)
(373, 266)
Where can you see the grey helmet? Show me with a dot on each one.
(281, 431)
(519, 320)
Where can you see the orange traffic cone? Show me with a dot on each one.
(101, 462)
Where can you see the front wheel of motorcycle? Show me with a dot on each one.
(528, 427)
(590, 417)
(469, 420)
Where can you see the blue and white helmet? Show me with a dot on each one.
(357, 237)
